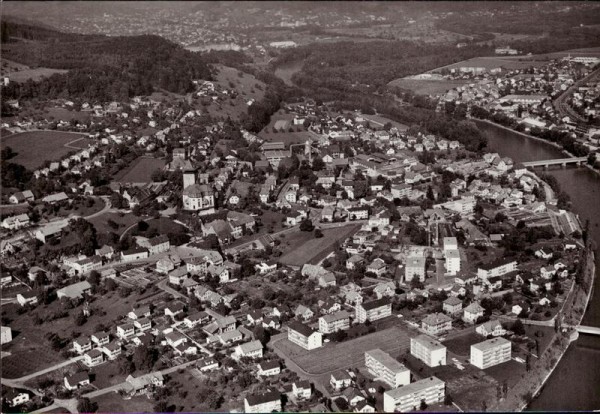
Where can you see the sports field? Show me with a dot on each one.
(33, 148)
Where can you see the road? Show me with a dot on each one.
(163, 285)
(19, 382)
(561, 104)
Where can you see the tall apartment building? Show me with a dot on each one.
(304, 336)
(338, 321)
(386, 368)
(415, 268)
(428, 350)
(452, 261)
(491, 352)
(373, 310)
(408, 398)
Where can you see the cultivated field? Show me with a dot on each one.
(427, 86)
(33, 148)
(346, 354)
(302, 251)
(140, 170)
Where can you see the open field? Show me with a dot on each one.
(140, 171)
(62, 114)
(246, 85)
(28, 362)
(304, 248)
(24, 75)
(461, 345)
(380, 121)
(123, 221)
(427, 86)
(343, 355)
(113, 403)
(49, 146)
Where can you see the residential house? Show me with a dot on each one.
(334, 322)
(473, 312)
(452, 306)
(269, 368)
(252, 349)
(77, 380)
(263, 403)
(493, 328)
(340, 380)
(304, 336)
(436, 323)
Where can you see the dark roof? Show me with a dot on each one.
(263, 398)
(265, 365)
(300, 328)
(78, 377)
(135, 250)
(158, 240)
(376, 303)
(497, 263)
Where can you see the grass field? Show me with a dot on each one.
(332, 357)
(462, 345)
(140, 170)
(113, 403)
(33, 74)
(304, 248)
(62, 114)
(123, 220)
(380, 121)
(48, 145)
(247, 86)
(427, 86)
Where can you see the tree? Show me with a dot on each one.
(318, 233)
(518, 328)
(85, 405)
(423, 405)
(94, 278)
(145, 357)
(306, 225)
(161, 407)
(261, 334)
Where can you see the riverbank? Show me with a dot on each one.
(542, 140)
(531, 384)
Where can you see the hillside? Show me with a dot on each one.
(100, 67)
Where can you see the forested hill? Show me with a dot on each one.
(101, 67)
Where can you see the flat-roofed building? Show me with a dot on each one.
(491, 352)
(452, 261)
(498, 267)
(415, 268)
(408, 398)
(386, 368)
(373, 310)
(337, 321)
(428, 350)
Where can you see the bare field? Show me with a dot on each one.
(346, 354)
(140, 171)
(49, 146)
(313, 250)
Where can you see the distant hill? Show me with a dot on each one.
(100, 67)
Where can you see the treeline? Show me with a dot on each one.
(104, 68)
(562, 138)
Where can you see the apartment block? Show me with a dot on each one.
(408, 398)
(428, 350)
(386, 368)
(491, 352)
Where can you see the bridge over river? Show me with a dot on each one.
(560, 161)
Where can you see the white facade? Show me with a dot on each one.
(428, 350)
(386, 368)
(491, 352)
(408, 398)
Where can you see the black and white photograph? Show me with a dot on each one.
(299, 206)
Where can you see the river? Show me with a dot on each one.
(575, 383)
